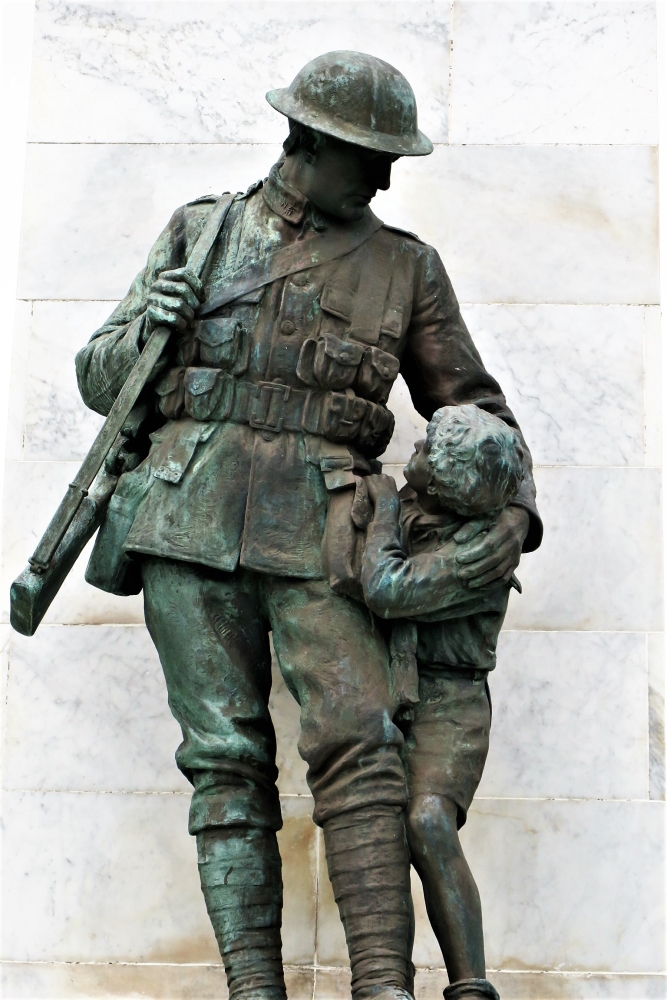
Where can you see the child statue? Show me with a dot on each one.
(443, 646)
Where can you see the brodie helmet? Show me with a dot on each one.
(357, 98)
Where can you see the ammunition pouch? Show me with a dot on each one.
(329, 362)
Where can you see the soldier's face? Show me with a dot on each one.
(344, 178)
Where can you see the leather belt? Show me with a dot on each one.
(211, 394)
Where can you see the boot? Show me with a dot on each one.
(241, 878)
(368, 863)
(471, 989)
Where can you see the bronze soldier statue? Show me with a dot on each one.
(267, 408)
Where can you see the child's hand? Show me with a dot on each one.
(382, 492)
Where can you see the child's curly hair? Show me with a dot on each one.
(475, 459)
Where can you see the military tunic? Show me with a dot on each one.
(223, 493)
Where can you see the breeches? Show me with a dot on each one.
(211, 630)
(447, 742)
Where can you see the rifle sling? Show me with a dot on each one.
(321, 248)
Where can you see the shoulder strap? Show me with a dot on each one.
(320, 248)
(369, 302)
(209, 234)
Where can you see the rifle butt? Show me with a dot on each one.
(32, 593)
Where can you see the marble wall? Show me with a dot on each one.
(541, 197)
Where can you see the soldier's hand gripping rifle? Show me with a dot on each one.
(80, 512)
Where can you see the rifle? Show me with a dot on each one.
(81, 510)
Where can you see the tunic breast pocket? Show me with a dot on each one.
(224, 343)
(377, 373)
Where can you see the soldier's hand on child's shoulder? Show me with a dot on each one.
(471, 529)
(173, 300)
(495, 555)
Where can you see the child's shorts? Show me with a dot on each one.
(447, 742)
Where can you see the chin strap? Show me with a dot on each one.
(478, 989)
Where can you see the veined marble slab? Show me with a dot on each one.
(567, 224)
(554, 72)
(573, 376)
(87, 711)
(58, 425)
(570, 716)
(564, 885)
(103, 207)
(556, 224)
(97, 877)
(599, 567)
(50, 980)
(198, 71)
(656, 714)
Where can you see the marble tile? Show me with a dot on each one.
(285, 714)
(513, 224)
(573, 375)
(20, 348)
(599, 567)
(58, 426)
(91, 213)
(97, 877)
(32, 493)
(653, 385)
(549, 224)
(5, 640)
(570, 885)
(569, 717)
(53, 981)
(198, 72)
(331, 983)
(656, 714)
(582, 72)
(299, 851)
(87, 710)
(410, 427)
(564, 886)
(524, 984)
(61, 981)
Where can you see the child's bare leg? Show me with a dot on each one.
(452, 899)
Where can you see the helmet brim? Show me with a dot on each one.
(413, 145)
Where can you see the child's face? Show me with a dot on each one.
(417, 473)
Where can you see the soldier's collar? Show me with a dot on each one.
(282, 198)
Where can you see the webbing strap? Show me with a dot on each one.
(209, 234)
(320, 248)
(374, 281)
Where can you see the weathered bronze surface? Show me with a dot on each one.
(248, 500)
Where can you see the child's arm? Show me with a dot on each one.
(396, 585)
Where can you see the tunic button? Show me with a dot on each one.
(287, 327)
(300, 279)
